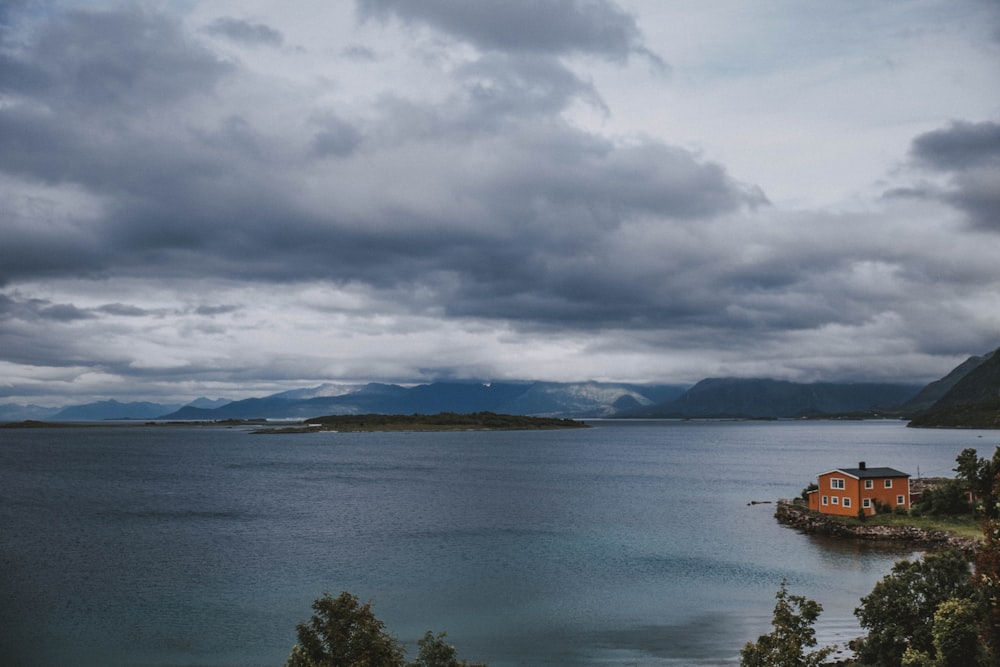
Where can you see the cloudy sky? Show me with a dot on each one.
(236, 197)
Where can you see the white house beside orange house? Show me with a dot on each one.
(845, 491)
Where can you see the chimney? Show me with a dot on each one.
(861, 465)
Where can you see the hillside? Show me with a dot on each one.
(111, 410)
(972, 402)
(982, 414)
(766, 398)
(936, 390)
(980, 384)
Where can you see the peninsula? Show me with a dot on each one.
(443, 421)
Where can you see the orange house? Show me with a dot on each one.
(847, 490)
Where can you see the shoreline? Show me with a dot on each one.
(794, 516)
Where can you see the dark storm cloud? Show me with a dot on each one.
(970, 154)
(500, 86)
(106, 111)
(33, 309)
(127, 60)
(211, 311)
(552, 27)
(960, 146)
(123, 310)
(40, 309)
(483, 203)
(335, 136)
(95, 97)
(492, 94)
(548, 203)
(245, 32)
(181, 194)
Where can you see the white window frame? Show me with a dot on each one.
(888, 483)
(835, 500)
(869, 484)
(837, 483)
(847, 501)
(900, 500)
(866, 503)
(826, 501)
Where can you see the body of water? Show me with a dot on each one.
(629, 543)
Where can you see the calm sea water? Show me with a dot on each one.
(624, 544)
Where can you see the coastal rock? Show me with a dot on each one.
(795, 516)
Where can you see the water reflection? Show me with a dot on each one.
(856, 555)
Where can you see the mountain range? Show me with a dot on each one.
(543, 399)
(767, 398)
(974, 381)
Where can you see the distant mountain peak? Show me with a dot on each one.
(325, 389)
(209, 403)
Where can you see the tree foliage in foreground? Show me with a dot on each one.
(793, 632)
(342, 632)
(983, 478)
(899, 612)
(436, 652)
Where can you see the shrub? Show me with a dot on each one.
(342, 632)
(793, 632)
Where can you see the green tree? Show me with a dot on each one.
(915, 658)
(948, 499)
(955, 637)
(983, 477)
(987, 581)
(969, 466)
(342, 632)
(813, 486)
(956, 633)
(899, 611)
(436, 652)
(980, 475)
(793, 632)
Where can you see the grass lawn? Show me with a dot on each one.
(964, 526)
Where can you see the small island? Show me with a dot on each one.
(443, 421)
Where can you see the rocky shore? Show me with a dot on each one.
(795, 516)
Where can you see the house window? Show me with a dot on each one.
(866, 503)
(825, 500)
(836, 483)
(869, 484)
(888, 483)
(847, 501)
(835, 500)
(900, 500)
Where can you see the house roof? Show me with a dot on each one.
(868, 473)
